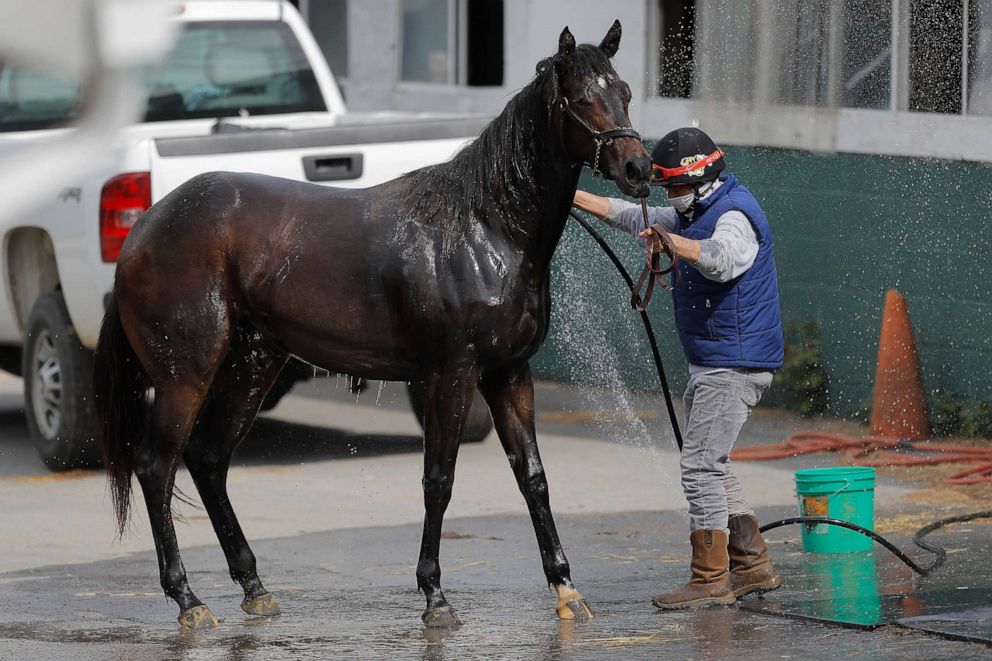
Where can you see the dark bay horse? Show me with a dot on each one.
(440, 276)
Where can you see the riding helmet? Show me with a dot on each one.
(674, 159)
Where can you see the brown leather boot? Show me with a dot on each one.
(710, 581)
(750, 567)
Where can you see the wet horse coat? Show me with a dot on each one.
(440, 276)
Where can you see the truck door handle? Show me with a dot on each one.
(332, 167)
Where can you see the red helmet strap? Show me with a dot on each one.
(668, 173)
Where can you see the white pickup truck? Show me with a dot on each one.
(245, 88)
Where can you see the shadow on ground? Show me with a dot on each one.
(278, 442)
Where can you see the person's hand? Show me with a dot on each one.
(653, 239)
(687, 249)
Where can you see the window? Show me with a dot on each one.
(821, 53)
(328, 20)
(457, 42)
(484, 37)
(979, 61)
(675, 48)
(215, 69)
(804, 53)
(867, 59)
(222, 69)
(936, 40)
(36, 99)
(916, 55)
(949, 54)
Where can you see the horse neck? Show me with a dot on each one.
(539, 229)
(556, 203)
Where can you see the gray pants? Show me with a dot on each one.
(716, 406)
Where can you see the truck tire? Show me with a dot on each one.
(477, 425)
(58, 388)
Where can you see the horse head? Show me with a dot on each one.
(590, 110)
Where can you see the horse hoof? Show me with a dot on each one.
(572, 605)
(441, 617)
(263, 604)
(198, 617)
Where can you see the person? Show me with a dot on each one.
(728, 321)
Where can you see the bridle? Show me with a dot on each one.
(600, 138)
(653, 271)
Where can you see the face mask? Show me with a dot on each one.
(683, 203)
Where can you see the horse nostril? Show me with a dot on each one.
(634, 171)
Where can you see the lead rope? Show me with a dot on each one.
(652, 270)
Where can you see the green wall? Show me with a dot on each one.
(847, 228)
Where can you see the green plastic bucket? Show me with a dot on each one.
(840, 492)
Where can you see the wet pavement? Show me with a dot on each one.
(348, 594)
(329, 495)
(870, 589)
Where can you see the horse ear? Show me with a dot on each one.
(611, 42)
(566, 45)
(542, 66)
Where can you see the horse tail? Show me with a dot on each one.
(119, 383)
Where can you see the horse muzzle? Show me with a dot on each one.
(632, 171)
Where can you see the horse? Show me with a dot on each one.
(440, 276)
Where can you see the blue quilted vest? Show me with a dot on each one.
(735, 323)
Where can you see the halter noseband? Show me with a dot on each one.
(599, 137)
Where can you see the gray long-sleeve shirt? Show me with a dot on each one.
(724, 256)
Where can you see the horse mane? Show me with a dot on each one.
(492, 179)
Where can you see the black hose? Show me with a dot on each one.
(649, 331)
(939, 552)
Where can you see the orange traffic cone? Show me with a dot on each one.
(899, 408)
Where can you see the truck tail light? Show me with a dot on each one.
(122, 201)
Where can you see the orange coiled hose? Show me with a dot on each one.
(878, 451)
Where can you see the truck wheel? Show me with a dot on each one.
(58, 388)
(477, 425)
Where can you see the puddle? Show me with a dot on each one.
(870, 589)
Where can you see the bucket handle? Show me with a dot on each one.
(829, 496)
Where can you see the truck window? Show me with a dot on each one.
(220, 69)
(216, 69)
(33, 98)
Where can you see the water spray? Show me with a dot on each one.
(940, 554)
(648, 330)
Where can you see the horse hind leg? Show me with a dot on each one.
(155, 462)
(180, 355)
(235, 396)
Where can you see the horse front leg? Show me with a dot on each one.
(510, 395)
(448, 399)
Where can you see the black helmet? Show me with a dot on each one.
(686, 156)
